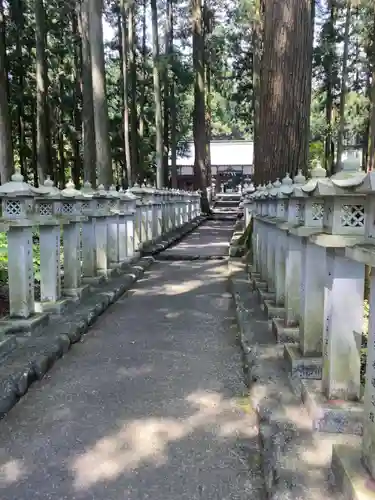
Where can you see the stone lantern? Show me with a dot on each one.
(47, 211)
(18, 200)
(364, 254)
(71, 211)
(344, 224)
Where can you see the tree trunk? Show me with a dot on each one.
(199, 112)
(207, 62)
(133, 90)
(285, 86)
(157, 94)
(142, 98)
(60, 140)
(173, 108)
(18, 19)
(6, 150)
(101, 120)
(256, 70)
(88, 125)
(344, 90)
(124, 11)
(371, 128)
(328, 158)
(167, 104)
(77, 57)
(42, 124)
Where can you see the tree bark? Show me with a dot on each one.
(166, 102)
(371, 128)
(133, 90)
(88, 125)
(101, 120)
(124, 11)
(142, 97)
(199, 112)
(344, 90)
(157, 94)
(285, 89)
(18, 19)
(173, 108)
(77, 96)
(42, 121)
(6, 149)
(328, 157)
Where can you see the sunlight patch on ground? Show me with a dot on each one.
(11, 472)
(146, 440)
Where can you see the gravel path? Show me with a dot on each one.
(150, 405)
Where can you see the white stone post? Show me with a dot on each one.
(89, 209)
(293, 263)
(71, 212)
(131, 225)
(368, 439)
(343, 323)
(101, 231)
(48, 211)
(113, 224)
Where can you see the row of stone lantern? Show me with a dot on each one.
(311, 241)
(102, 231)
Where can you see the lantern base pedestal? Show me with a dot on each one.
(76, 293)
(348, 473)
(272, 310)
(302, 367)
(93, 280)
(284, 334)
(334, 416)
(23, 326)
(260, 285)
(54, 307)
(7, 344)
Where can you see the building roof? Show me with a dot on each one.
(228, 153)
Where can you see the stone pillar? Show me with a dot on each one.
(280, 269)
(72, 259)
(122, 238)
(101, 236)
(113, 239)
(88, 248)
(343, 327)
(312, 298)
(144, 217)
(130, 224)
(368, 440)
(137, 227)
(21, 272)
(49, 244)
(150, 221)
(292, 281)
(270, 258)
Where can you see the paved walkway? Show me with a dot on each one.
(150, 405)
